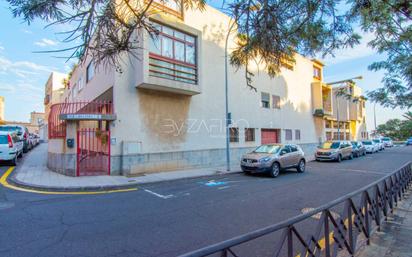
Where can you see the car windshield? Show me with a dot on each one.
(386, 139)
(376, 141)
(367, 142)
(267, 149)
(354, 143)
(330, 145)
(10, 128)
(3, 140)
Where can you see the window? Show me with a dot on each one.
(234, 134)
(265, 100)
(80, 84)
(297, 134)
(328, 124)
(317, 72)
(249, 134)
(89, 72)
(276, 102)
(288, 134)
(173, 55)
(293, 148)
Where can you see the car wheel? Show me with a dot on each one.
(339, 158)
(20, 154)
(274, 172)
(301, 166)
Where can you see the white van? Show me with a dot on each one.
(11, 147)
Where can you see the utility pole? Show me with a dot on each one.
(374, 114)
(227, 118)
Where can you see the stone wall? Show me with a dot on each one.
(62, 163)
(137, 164)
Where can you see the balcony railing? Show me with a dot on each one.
(82, 110)
(87, 107)
(172, 69)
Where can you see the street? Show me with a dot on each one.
(171, 218)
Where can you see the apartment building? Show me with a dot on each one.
(349, 114)
(1, 109)
(54, 89)
(166, 109)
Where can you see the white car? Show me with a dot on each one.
(379, 142)
(387, 141)
(11, 147)
(370, 146)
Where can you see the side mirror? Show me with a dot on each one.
(282, 152)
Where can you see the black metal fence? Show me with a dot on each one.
(363, 210)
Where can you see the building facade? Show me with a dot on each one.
(2, 109)
(54, 90)
(165, 110)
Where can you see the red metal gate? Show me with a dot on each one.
(269, 136)
(93, 152)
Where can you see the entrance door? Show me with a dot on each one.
(269, 136)
(93, 152)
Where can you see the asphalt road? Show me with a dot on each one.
(170, 218)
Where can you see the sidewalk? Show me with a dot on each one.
(394, 239)
(32, 172)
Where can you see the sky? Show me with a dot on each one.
(23, 73)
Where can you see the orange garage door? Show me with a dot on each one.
(270, 136)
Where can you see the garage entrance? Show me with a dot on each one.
(270, 136)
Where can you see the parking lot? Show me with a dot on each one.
(170, 218)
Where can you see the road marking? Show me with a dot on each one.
(212, 183)
(159, 195)
(3, 181)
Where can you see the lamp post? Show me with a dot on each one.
(336, 97)
(227, 120)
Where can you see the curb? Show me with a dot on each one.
(12, 180)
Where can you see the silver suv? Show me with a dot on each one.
(272, 158)
(334, 151)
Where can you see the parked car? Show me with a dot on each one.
(272, 158)
(334, 151)
(22, 133)
(370, 146)
(387, 141)
(379, 142)
(11, 147)
(409, 141)
(358, 149)
(34, 141)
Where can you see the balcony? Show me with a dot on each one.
(171, 76)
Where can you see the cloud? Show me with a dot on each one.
(27, 31)
(22, 68)
(46, 42)
(348, 54)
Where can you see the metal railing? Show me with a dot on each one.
(333, 232)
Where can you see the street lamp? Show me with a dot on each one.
(336, 97)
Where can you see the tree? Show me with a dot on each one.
(397, 129)
(391, 23)
(408, 115)
(268, 31)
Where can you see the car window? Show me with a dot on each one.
(367, 142)
(3, 140)
(293, 148)
(285, 149)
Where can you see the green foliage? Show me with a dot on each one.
(269, 32)
(397, 129)
(391, 23)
